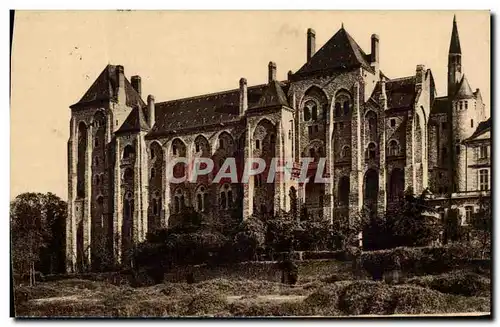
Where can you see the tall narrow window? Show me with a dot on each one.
(257, 144)
(197, 146)
(393, 148)
(223, 201)
(174, 149)
(483, 152)
(309, 130)
(444, 156)
(346, 108)
(484, 184)
(337, 109)
(472, 123)
(371, 151)
(307, 113)
(221, 143)
(469, 210)
(199, 201)
(314, 114)
(346, 152)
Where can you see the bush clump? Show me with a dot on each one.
(204, 303)
(458, 282)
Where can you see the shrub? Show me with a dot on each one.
(424, 260)
(458, 282)
(204, 303)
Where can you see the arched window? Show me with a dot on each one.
(223, 200)
(307, 113)
(346, 152)
(128, 152)
(179, 201)
(371, 189)
(396, 185)
(342, 104)
(343, 191)
(201, 199)
(226, 197)
(393, 148)
(371, 119)
(371, 151)
(312, 153)
(174, 150)
(273, 139)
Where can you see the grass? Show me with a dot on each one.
(324, 292)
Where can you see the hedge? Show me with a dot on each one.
(418, 261)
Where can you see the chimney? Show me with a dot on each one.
(375, 56)
(311, 43)
(383, 94)
(136, 83)
(271, 71)
(151, 109)
(243, 96)
(290, 73)
(419, 76)
(120, 77)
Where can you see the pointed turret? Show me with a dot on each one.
(464, 90)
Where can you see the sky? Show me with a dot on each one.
(57, 55)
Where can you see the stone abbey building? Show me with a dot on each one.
(380, 135)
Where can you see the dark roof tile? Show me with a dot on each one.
(400, 92)
(135, 121)
(105, 88)
(341, 51)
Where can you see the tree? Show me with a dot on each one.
(250, 238)
(412, 222)
(37, 233)
(346, 231)
(481, 222)
(452, 230)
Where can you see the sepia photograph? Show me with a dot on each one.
(242, 164)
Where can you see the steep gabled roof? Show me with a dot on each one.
(482, 128)
(105, 88)
(340, 52)
(273, 95)
(464, 90)
(400, 92)
(135, 121)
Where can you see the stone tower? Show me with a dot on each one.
(95, 118)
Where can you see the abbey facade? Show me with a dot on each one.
(380, 136)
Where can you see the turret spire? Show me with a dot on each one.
(455, 40)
